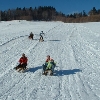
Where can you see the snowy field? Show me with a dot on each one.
(75, 47)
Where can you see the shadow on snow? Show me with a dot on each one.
(54, 40)
(34, 69)
(66, 72)
(51, 40)
(57, 73)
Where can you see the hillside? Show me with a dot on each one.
(74, 46)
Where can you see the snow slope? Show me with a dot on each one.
(74, 46)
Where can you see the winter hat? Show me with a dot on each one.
(23, 54)
(48, 55)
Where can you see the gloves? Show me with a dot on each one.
(21, 63)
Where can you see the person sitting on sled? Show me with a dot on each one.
(49, 64)
(31, 35)
(22, 62)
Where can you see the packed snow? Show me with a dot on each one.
(75, 47)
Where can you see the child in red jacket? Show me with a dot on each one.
(22, 62)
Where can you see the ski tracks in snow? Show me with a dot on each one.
(20, 44)
(68, 48)
(83, 52)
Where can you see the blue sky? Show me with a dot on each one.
(65, 6)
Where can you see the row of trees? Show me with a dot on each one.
(40, 13)
(48, 13)
(92, 16)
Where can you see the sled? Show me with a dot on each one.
(30, 37)
(48, 72)
(21, 70)
(41, 40)
(25, 70)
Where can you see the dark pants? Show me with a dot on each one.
(44, 67)
(23, 66)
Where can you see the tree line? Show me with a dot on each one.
(48, 13)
